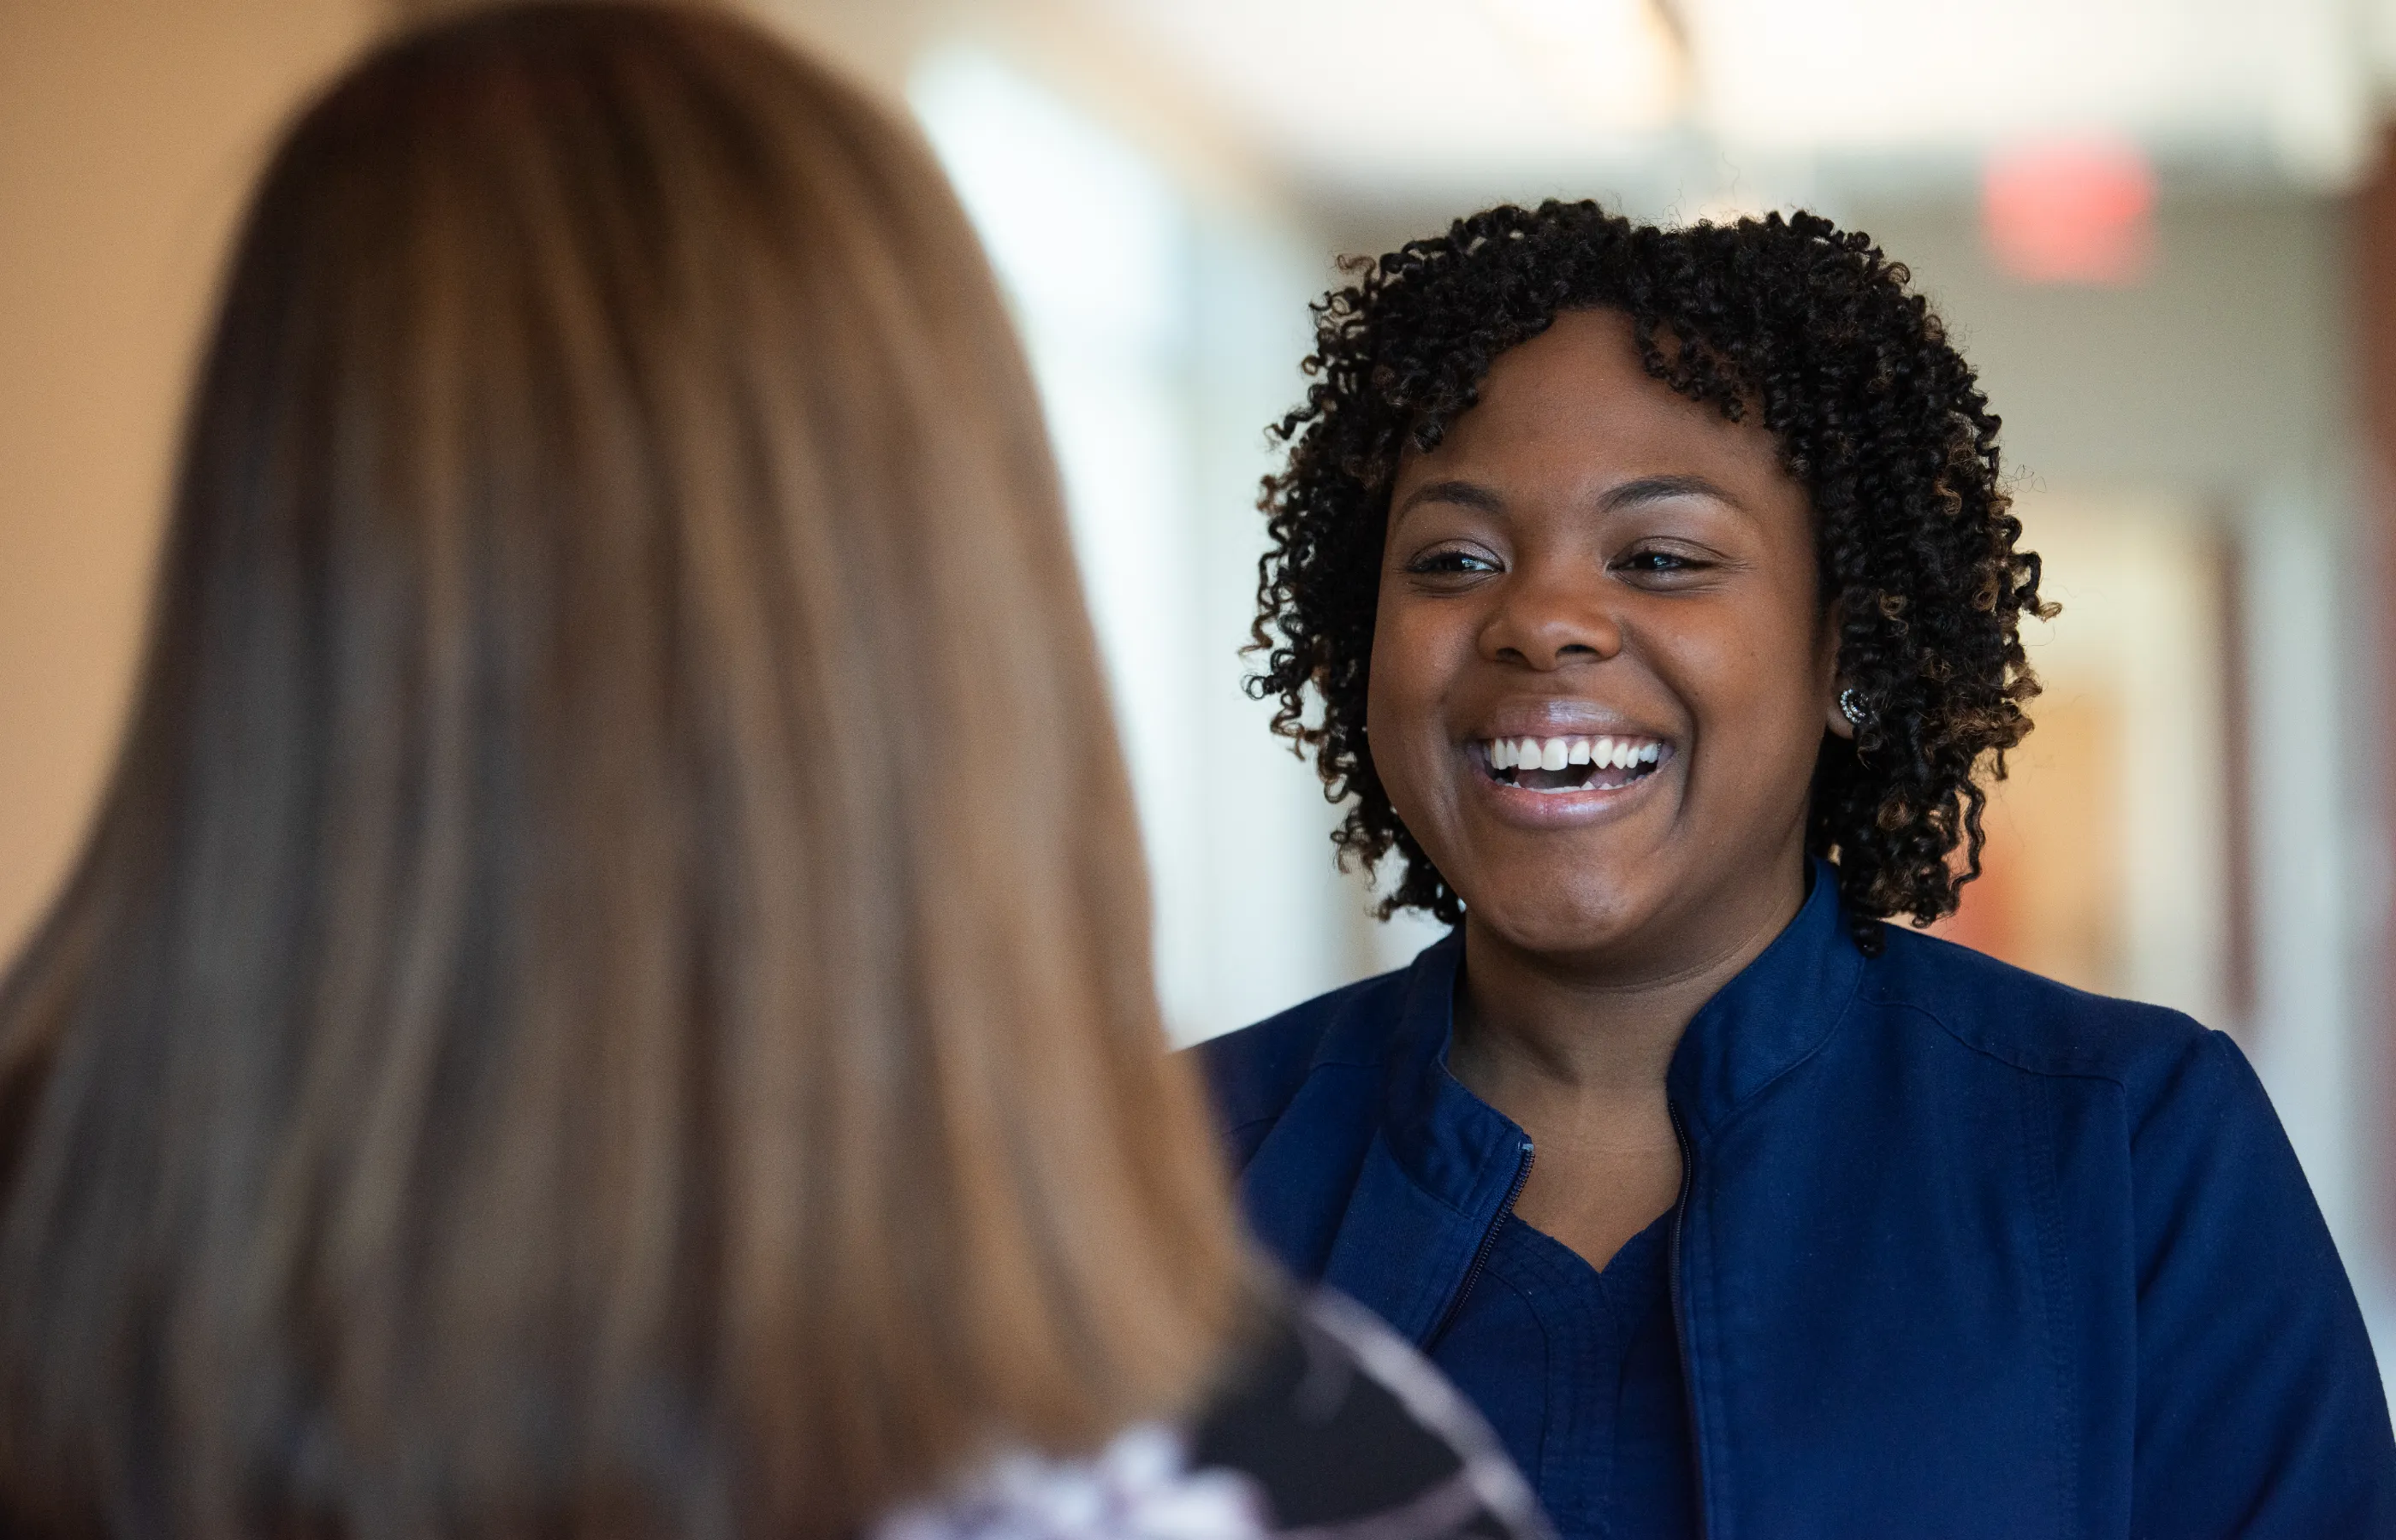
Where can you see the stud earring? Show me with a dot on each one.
(1851, 706)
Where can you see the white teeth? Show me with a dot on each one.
(1604, 753)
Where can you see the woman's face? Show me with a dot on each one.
(1600, 667)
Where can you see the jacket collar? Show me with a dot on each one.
(1770, 1017)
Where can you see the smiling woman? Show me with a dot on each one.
(1662, 603)
(1926, 610)
(1701, 650)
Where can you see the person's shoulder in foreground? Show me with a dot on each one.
(1331, 1427)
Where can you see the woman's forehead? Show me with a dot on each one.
(1576, 401)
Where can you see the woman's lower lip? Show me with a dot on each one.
(1557, 809)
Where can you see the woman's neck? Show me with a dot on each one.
(1594, 1025)
(1576, 1056)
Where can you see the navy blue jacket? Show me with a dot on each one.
(1962, 1252)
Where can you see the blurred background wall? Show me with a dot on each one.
(2166, 229)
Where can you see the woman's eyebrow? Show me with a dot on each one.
(1464, 494)
(1647, 489)
(1630, 493)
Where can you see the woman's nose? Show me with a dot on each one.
(1549, 620)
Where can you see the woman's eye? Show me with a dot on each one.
(1464, 562)
(1657, 562)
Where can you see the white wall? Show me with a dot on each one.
(1165, 332)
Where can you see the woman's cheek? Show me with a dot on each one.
(1401, 702)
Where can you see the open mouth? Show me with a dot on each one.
(1572, 763)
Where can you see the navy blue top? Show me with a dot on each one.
(1581, 1376)
(1962, 1252)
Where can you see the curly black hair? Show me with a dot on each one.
(1877, 416)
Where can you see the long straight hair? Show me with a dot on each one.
(609, 991)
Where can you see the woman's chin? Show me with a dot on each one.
(1575, 911)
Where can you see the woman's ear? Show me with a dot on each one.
(1841, 722)
(1843, 714)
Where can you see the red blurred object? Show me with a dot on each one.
(2070, 212)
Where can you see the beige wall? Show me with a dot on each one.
(129, 131)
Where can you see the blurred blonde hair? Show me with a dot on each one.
(610, 987)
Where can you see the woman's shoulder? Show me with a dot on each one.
(2033, 1023)
(1328, 1424)
(1143, 1485)
(1338, 1423)
(1254, 1072)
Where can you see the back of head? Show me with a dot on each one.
(609, 988)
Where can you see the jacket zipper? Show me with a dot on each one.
(1488, 1243)
(1679, 1309)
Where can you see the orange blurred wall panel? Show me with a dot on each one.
(2050, 897)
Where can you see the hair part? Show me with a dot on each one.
(1791, 323)
(590, 1004)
